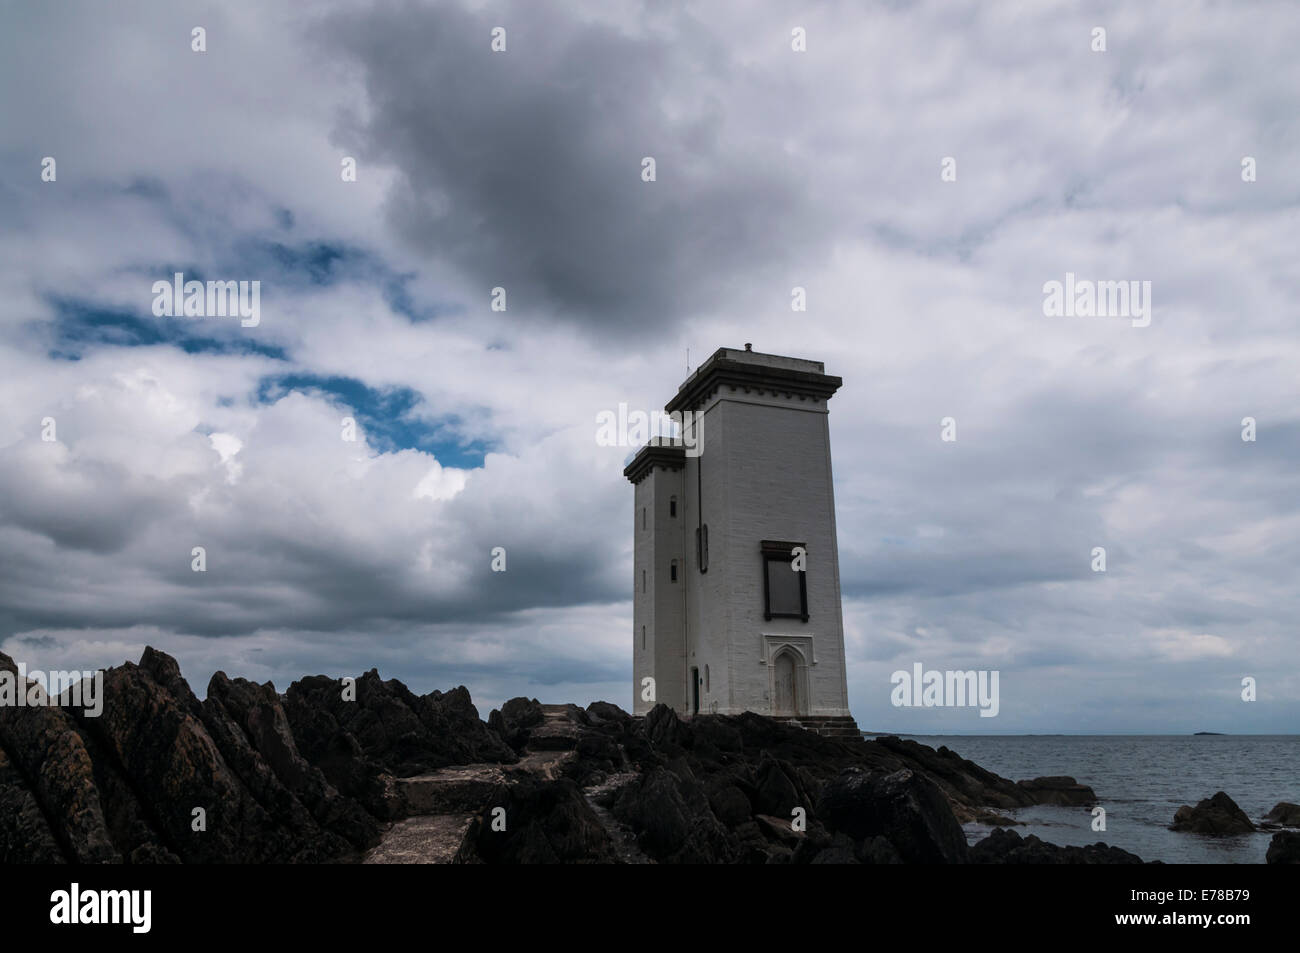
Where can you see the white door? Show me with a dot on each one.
(784, 701)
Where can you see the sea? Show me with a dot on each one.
(1141, 780)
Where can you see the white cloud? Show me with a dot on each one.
(817, 169)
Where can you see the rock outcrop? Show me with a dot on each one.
(905, 808)
(747, 789)
(48, 758)
(969, 786)
(1284, 848)
(160, 777)
(25, 835)
(1063, 791)
(515, 720)
(1008, 847)
(341, 770)
(1283, 814)
(537, 822)
(404, 733)
(1214, 815)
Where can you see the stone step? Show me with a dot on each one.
(467, 787)
(828, 726)
(559, 731)
(559, 711)
(464, 788)
(428, 839)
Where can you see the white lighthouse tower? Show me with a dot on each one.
(737, 581)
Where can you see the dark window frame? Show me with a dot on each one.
(781, 551)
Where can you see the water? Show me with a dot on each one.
(1141, 780)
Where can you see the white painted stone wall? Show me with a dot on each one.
(659, 607)
(765, 473)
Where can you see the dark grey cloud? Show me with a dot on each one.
(523, 168)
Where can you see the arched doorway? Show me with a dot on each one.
(785, 690)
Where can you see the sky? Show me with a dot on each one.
(128, 439)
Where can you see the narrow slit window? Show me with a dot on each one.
(672, 506)
(672, 571)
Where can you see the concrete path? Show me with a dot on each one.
(443, 803)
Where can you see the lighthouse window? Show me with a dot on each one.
(785, 589)
(672, 506)
(672, 571)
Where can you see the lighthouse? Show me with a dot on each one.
(736, 603)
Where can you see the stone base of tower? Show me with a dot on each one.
(828, 726)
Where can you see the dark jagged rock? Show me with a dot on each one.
(131, 824)
(515, 720)
(257, 776)
(1284, 814)
(598, 750)
(756, 771)
(1215, 815)
(1284, 848)
(312, 775)
(840, 850)
(969, 785)
(1062, 791)
(664, 729)
(877, 850)
(720, 736)
(331, 748)
(159, 777)
(165, 670)
(545, 823)
(776, 790)
(730, 805)
(671, 814)
(963, 781)
(173, 763)
(25, 835)
(407, 734)
(603, 713)
(251, 729)
(46, 747)
(1007, 847)
(905, 807)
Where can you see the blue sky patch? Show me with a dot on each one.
(386, 415)
(80, 327)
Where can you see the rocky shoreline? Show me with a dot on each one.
(386, 776)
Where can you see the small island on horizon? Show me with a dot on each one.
(1206, 733)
